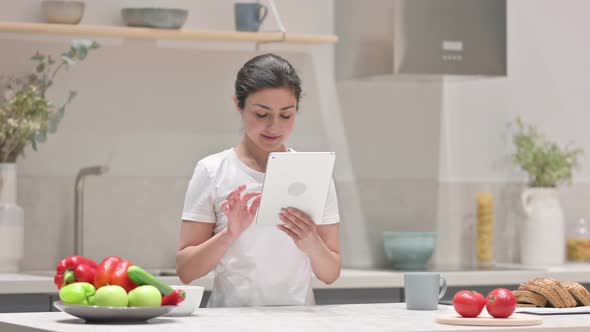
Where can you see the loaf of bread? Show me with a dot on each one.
(578, 291)
(549, 292)
(528, 298)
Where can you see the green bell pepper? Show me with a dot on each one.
(78, 293)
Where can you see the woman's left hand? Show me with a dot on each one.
(301, 229)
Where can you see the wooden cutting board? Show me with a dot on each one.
(485, 319)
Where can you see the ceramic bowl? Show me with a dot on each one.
(192, 301)
(62, 12)
(162, 18)
(409, 250)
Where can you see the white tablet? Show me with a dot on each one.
(295, 179)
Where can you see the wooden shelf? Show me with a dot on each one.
(149, 33)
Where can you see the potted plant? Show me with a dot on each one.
(27, 115)
(548, 165)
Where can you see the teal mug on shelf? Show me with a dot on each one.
(249, 16)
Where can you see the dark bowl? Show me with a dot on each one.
(161, 18)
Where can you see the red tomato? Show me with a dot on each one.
(468, 303)
(500, 303)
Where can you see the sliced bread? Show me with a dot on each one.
(579, 292)
(540, 287)
(528, 297)
(564, 294)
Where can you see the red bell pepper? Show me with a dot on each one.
(113, 271)
(74, 268)
(174, 298)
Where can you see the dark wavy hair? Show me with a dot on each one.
(266, 71)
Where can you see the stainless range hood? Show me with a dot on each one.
(420, 37)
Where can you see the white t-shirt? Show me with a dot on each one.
(263, 266)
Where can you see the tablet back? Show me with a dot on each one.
(295, 179)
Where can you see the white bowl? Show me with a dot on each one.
(63, 12)
(191, 302)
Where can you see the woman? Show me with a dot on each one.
(255, 265)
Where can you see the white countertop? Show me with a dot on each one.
(42, 282)
(338, 318)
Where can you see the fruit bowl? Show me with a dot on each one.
(192, 301)
(99, 314)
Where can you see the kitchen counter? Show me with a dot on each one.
(338, 318)
(42, 281)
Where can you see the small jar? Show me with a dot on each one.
(578, 242)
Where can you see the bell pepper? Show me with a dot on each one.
(78, 293)
(113, 271)
(74, 268)
(174, 298)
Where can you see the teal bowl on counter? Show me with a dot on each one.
(409, 250)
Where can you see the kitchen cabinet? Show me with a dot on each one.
(25, 303)
(44, 302)
(357, 295)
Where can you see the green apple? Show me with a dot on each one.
(111, 296)
(145, 296)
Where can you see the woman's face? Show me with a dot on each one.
(269, 117)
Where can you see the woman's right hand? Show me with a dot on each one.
(239, 215)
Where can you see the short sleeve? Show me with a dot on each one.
(198, 201)
(331, 214)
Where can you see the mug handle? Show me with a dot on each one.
(443, 287)
(264, 12)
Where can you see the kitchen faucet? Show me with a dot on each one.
(79, 204)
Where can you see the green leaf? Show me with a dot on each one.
(55, 120)
(38, 56)
(41, 136)
(82, 52)
(83, 43)
(68, 59)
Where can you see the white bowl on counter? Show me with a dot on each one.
(192, 301)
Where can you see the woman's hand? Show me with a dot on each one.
(301, 229)
(239, 215)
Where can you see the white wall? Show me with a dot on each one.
(547, 85)
(143, 105)
(150, 110)
(393, 131)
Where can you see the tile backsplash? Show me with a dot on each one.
(139, 217)
(134, 217)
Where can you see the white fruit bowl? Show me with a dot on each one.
(192, 301)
